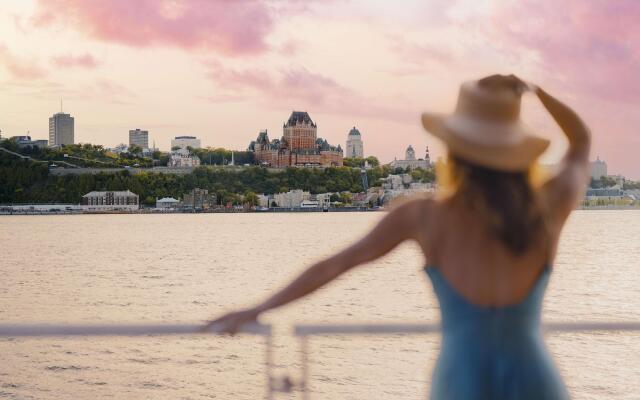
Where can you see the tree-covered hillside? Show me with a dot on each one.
(24, 181)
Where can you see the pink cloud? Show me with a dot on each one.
(299, 88)
(70, 61)
(419, 53)
(593, 46)
(20, 68)
(293, 84)
(230, 27)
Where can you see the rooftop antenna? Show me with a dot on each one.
(60, 104)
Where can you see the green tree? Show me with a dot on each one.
(345, 197)
(355, 162)
(135, 150)
(417, 174)
(373, 161)
(251, 198)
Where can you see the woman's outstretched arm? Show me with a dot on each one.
(397, 226)
(564, 190)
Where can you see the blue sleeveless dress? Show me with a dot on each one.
(493, 352)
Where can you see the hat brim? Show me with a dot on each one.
(511, 148)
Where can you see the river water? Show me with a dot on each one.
(188, 268)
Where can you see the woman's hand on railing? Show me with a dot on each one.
(232, 322)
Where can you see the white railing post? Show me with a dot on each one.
(304, 367)
(269, 366)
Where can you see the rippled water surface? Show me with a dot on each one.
(187, 268)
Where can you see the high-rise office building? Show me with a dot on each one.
(61, 129)
(138, 137)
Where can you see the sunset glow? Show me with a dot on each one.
(224, 70)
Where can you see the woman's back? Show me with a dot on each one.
(477, 264)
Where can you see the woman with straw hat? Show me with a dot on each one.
(489, 241)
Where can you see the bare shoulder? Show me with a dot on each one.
(415, 214)
(414, 206)
(561, 192)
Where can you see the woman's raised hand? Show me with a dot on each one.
(507, 81)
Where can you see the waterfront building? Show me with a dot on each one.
(140, 138)
(181, 158)
(291, 199)
(410, 161)
(198, 199)
(184, 142)
(354, 147)
(323, 199)
(598, 169)
(167, 203)
(24, 141)
(298, 146)
(264, 200)
(61, 129)
(107, 201)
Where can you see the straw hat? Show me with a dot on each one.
(486, 129)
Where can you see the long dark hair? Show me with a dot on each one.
(506, 200)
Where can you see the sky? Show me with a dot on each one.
(224, 70)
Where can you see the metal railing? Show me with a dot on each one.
(303, 332)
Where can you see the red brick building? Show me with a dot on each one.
(299, 146)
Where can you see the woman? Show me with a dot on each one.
(490, 241)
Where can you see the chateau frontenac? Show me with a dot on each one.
(298, 146)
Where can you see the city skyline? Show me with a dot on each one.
(198, 71)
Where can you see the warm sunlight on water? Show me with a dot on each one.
(136, 268)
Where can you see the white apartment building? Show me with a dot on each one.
(185, 141)
(291, 199)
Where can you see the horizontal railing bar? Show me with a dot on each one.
(396, 329)
(40, 330)
(364, 329)
(35, 330)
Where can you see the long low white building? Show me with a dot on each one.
(108, 201)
